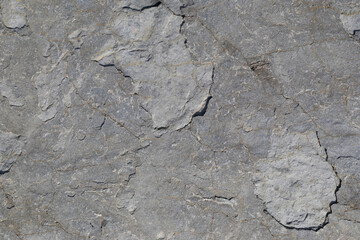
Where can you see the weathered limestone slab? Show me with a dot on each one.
(351, 22)
(295, 182)
(150, 50)
(13, 13)
(10, 149)
(179, 119)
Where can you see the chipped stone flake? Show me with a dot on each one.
(76, 38)
(10, 150)
(174, 88)
(13, 13)
(296, 182)
(7, 92)
(48, 114)
(176, 5)
(351, 23)
(138, 4)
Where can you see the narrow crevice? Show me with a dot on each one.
(337, 187)
(168, 8)
(318, 139)
(224, 198)
(157, 4)
(101, 124)
(162, 128)
(254, 66)
(203, 110)
(315, 228)
(351, 220)
(218, 198)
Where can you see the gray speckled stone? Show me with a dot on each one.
(179, 119)
(351, 23)
(172, 86)
(13, 13)
(10, 149)
(295, 182)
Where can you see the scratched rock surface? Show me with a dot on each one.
(179, 119)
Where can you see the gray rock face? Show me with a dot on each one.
(153, 53)
(10, 150)
(7, 93)
(295, 182)
(351, 23)
(13, 13)
(179, 119)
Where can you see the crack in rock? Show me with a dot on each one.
(140, 5)
(295, 181)
(177, 5)
(7, 92)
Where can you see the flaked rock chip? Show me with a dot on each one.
(13, 13)
(351, 23)
(295, 181)
(151, 50)
(10, 149)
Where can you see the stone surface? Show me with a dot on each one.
(179, 119)
(10, 150)
(295, 182)
(152, 52)
(351, 23)
(13, 13)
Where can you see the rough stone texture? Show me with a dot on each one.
(13, 13)
(179, 119)
(351, 23)
(10, 150)
(295, 182)
(152, 52)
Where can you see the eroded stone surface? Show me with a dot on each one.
(179, 119)
(7, 92)
(153, 53)
(295, 181)
(13, 13)
(351, 23)
(10, 149)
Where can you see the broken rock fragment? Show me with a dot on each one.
(10, 150)
(177, 5)
(7, 92)
(295, 182)
(76, 38)
(13, 13)
(351, 23)
(139, 4)
(153, 53)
